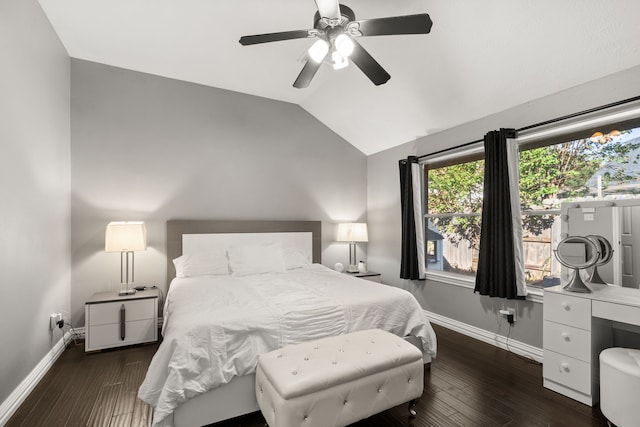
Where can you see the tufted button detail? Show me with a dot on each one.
(306, 358)
(294, 373)
(316, 348)
(306, 418)
(379, 390)
(368, 352)
(260, 390)
(409, 381)
(373, 342)
(334, 363)
(344, 403)
(279, 356)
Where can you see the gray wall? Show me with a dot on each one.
(150, 148)
(384, 220)
(34, 189)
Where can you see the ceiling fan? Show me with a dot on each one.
(335, 28)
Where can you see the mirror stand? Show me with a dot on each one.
(576, 284)
(595, 277)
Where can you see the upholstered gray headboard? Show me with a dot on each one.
(176, 228)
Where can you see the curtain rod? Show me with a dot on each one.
(547, 122)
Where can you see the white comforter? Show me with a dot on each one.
(216, 326)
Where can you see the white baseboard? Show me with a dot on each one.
(20, 394)
(492, 338)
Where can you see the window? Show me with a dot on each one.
(598, 166)
(454, 206)
(552, 170)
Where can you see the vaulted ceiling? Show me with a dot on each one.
(480, 58)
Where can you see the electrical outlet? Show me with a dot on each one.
(510, 314)
(54, 318)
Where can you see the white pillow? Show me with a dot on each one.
(202, 264)
(256, 259)
(294, 258)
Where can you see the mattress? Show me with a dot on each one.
(216, 326)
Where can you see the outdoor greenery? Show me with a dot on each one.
(548, 176)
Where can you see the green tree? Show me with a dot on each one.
(457, 189)
(547, 174)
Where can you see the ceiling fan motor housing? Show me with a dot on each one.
(346, 15)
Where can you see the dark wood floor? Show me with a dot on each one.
(470, 384)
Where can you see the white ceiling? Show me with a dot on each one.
(481, 57)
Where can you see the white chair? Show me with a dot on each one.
(620, 386)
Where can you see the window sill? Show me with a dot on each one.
(533, 294)
(451, 279)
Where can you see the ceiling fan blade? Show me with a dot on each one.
(306, 75)
(328, 8)
(368, 65)
(409, 24)
(274, 37)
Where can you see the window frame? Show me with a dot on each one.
(626, 116)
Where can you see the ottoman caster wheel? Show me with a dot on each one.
(412, 411)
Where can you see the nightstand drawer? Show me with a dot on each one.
(102, 314)
(569, 372)
(568, 310)
(107, 336)
(567, 340)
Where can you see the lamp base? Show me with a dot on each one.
(126, 292)
(352, 268)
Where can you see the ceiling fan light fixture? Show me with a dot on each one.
(318, 50)
(334, 30)
(344, 45)
(339, 61)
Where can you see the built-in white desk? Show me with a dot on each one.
(577, 327)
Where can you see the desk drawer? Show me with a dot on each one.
(567, 340)
(568, 310)
(109, 312)
(617, 312)
(565, 370)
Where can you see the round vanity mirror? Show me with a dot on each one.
(577, 252)
(606, 253)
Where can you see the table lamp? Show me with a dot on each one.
(352, 232)
(125, 237)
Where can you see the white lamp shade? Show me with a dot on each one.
(352, 232)
(339, 61)
(318, 50)
(122, 236)
(344, 45)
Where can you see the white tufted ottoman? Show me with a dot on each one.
(337, 381)
(620, 386)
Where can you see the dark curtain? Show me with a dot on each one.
(409, 260)
(496, 275)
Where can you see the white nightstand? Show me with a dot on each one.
(116, 321)
(369, 275)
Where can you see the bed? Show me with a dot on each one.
(261, 286)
